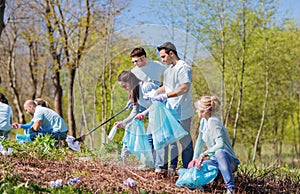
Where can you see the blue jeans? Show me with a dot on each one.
(162, 156)
(55, 135)
(187, 150)
(227, 165)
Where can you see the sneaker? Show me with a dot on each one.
(172, 171)
(157, 170)
(160, 171)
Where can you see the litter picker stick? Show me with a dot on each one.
(82, 137)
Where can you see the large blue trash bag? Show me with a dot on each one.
(193, 177)
(136, 140)
(165, 129)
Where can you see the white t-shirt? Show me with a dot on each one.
(152, 72)
(176, 75)
(5, 116)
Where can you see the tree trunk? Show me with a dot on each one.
(263, 112)
(71, 118)
(227, 114)
(12, 80)
(243, 63)
(57, 93)
(2, 10)
(85, 121)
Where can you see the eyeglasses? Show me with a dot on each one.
(135, 60)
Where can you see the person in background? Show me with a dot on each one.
(136, 89)
(144, 69)
(176, 91)
(45, 121)
(215, 136)
(5, 116)
(27, 126)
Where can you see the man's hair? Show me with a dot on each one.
(30, 103)
(138, 52)
(168, 46)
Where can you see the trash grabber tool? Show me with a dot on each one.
(82, 137)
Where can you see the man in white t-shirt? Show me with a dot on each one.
(177, 93)
(146, 70)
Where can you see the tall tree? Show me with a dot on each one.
(71, 33)
(2, 10)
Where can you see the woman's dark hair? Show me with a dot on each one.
(3, 99)
(129, 77)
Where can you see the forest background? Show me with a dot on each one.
(71, 52)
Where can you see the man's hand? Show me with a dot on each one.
(161, 97)
(16, 126)
(33, 129)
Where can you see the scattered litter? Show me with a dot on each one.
(73, 181)
(129, 182)
(85, 158)
(73, 145)
(5, 153)
(57, 183)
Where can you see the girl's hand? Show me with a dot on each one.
(140, 116)
(192, 164)
(199, 160)
(118, 124)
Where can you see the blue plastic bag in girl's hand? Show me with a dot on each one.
(164, 128)
(193, 177)
(136, 140)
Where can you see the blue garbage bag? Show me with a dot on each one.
(136, 140)
(193, 177)
(20, 138)
(165, 129)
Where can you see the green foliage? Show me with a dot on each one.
(11, 185)
(284, 174)
(45, 147)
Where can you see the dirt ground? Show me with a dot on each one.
(108, 177)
